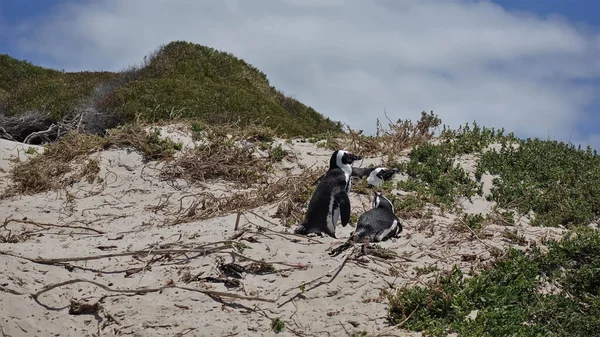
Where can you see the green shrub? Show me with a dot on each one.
(557, 181)
(507, 297)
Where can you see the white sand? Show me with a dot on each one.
(121, 209)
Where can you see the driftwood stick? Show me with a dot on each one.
(277, 232)
(337, 270)
(105, 256)
(149, 290)
(38, 224)
(287, 264)
(10, 291)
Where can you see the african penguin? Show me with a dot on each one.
(375, 175)
(379, 175)
(330, 199)
(380, 223)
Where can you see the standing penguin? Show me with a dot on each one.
(330, 199)
(380, 223)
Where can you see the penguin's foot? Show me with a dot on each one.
(319, 234)
(300, 229)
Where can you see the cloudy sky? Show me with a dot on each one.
(531, 66)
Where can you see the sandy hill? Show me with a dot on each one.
(184, 230)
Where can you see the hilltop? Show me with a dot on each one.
(186, 230)
(178, 80)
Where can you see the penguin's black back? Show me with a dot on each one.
(375, 221)
(334, 181)
(361, 171)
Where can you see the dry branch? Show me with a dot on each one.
(10, 291)
(39, 224)
(105, 256)
(143, 291)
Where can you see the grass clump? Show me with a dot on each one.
(511, 296)
(150, 143)
(557, 181)
(277, 325)
(278, 153)
(473, 221)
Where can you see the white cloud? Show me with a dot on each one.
(350, 60)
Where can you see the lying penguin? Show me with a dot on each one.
(330, 199)
(375, 175)
(380, 223)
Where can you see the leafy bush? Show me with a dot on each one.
(510, 297)
(557, 181)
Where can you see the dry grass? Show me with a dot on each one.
(243, 156)
(225, 152)
(67, 160)
(390, 141)
(291, 193)
(56, 167)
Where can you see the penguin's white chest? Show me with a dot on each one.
(333, 215)
(374, 180)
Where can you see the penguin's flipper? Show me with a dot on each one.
(318, 180)
(344, 204)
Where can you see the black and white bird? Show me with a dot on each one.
(380, 223)
(330, 199)
(380, 174)
(375, 175)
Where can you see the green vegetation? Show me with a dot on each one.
(513, 296)
(557, 181)
(473, 221)
(25, 87)
(277, 325)
(277, 153)
(433, 174)
(179, 80)
(426, 270)
(409, 206)
(469, 139)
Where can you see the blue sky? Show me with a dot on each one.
(531, 66)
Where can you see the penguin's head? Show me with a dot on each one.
(342, 158)
(379, 201)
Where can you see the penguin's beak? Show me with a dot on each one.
(352, 157)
